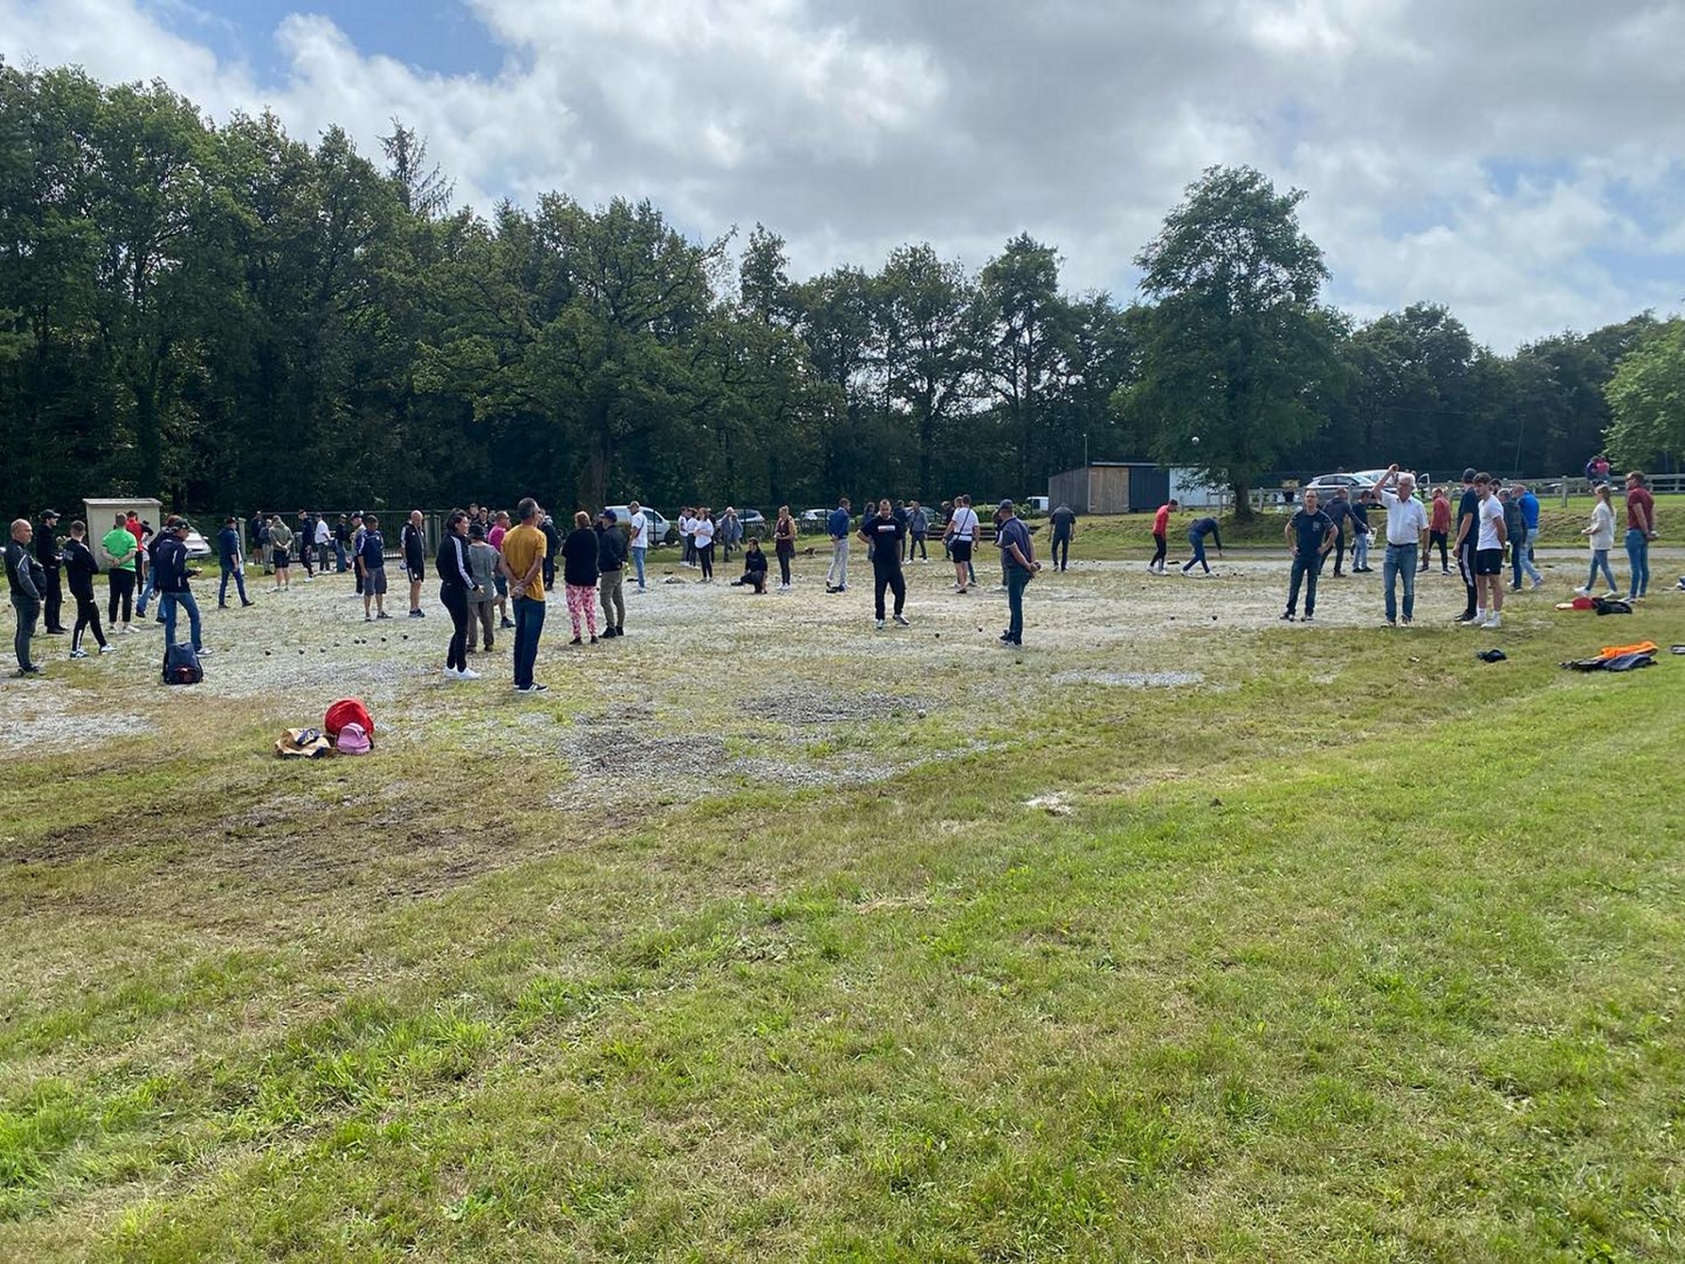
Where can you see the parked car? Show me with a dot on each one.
(197, 548)
(814, 518)
(1325, 485)
(751, 518)
(661, 531)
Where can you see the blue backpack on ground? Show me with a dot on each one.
(181, 665)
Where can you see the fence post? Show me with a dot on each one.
(1565, 491)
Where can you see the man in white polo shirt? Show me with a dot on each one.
(1406, 521)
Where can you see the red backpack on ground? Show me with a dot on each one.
(347, 711)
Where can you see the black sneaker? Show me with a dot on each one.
(1287, 615)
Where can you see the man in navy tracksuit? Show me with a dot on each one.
(228, 553)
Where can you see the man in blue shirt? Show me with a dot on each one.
(1018, 560)
(228, 553)
(1524, 551)
(837, 527)
(1310, 535)
(1197, 531)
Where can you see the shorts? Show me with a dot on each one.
(280, 558)
(416, 573)
(374, 582)
(501, 584)
(959, 550)
(1489, 562)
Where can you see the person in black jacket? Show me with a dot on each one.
(456, 581)
(611, 563)
(1339, 512)
(413, 541)
(884, 533)
(552, 548)
(23, 575)
(754, 566)
(80, 567)
(47, 553)
(169, 560)
(579, 575)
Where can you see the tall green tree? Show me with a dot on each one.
(927, 311)
(1023, 320)
(1239, 352)
(1647, 397)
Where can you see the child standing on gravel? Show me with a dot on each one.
(482, 562)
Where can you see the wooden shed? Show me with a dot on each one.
(1111, 487)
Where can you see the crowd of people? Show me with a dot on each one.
(495, 569)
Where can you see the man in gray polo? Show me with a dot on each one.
(1406, 522)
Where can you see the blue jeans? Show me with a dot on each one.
(1521, 559)
(1600, 560)
(1637, 553)
(168, 605)
(239, 583)
(339, 555)
(1198, 541)
(146, 592)
(1360, 551)
(638, 564)
(1400, 561)
(529, 626)
(1016, 580)
(1305, 571)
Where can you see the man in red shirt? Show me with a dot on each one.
(1161, 526)
(1640, 530)
(1439, 530)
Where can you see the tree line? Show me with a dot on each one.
(228, 317)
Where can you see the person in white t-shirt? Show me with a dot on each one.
(639, 525)
(702, 530)
(961, 537)
(1489, 552)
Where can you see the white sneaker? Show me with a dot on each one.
(468, 673)
(450, 673)
(1496, 621)
(902, 620)
(880, 625)
(108, 649)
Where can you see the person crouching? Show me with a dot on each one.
(754, 566)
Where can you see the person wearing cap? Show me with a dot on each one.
(233, 563)
(1018, 557)
(174, 594)
(1465, 546)
(371, 567)
(80, 567)
(47, 554)
(23, 575)
(611, 573)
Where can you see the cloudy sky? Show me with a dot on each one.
(1521, 162)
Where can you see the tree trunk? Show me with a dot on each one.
(1242, 498)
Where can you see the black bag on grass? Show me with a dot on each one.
(181, 666)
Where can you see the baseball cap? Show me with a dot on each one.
(1004, 506)
(607, 515)
(49, 513)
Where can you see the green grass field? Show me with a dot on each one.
(1354, 949)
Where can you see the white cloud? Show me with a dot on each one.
(1495, 157)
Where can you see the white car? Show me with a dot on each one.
(1325, 485)
(197, 549)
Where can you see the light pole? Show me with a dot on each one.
(1085, 449)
